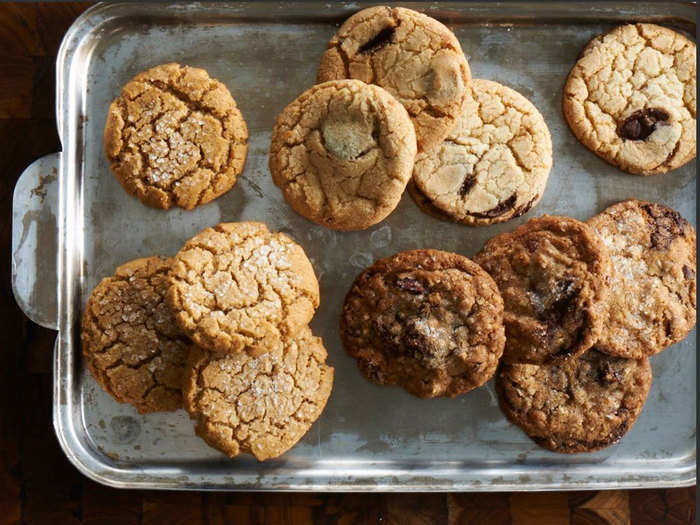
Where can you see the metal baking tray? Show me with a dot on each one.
(73, 224)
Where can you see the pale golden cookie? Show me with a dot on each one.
(238, 284)
(175, 137)
(553, 273)
(652, 300)
(130, 340)
(342, 154)
(262, 405)
(414, 57)
(494, 163)
(631, 98)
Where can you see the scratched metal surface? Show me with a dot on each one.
(369, 437)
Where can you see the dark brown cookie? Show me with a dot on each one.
(553, 275)
(427, 320)
(581, 405)
(652, 300)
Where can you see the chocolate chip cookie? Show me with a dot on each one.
(263, 404)
(414, 57)
(239, 285)
(553, 273)
(427, 320)
(631, 98)
(494, 163)
(652, 300)
(342, 154)
(581, 405)
(175, 137)
(130, 340)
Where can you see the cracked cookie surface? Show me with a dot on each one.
(413, 56)
(631, 98)
(652, 299)
(553, 273)
(342, 154)
(263, 404)
(130, 340)
(427, 320)
(239, 285)
(175, 137)
(494, 163)
(581, 405)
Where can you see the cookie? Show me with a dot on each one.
(630, 98)
(427, 320)
(414, 57)
(580, 405)
(261, 404)
(494, 163)
(652, 300)
(239, 285)
(130, 341)
(175, 137)
(342, 154)
(553, 274)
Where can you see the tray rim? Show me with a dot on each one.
(82, 453)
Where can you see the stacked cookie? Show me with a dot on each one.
(394, 82)
(574, 309)
(222, 326)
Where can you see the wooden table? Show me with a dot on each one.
(38, 485)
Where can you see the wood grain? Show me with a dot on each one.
(38, 485)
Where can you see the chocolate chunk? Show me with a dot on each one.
(666, 224)
(688, 272)
(384, 37)
(640, 124)
(499, 209)
(411, 285)
(525, 207)
(531, 244)
(467, 185)
(565, 293)
(607, 374)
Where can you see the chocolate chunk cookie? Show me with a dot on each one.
(131, 344)
(581, 405)
(342, 154)
(261, 404)
(494, 163)
(652, 300)
(553, 273)
(429, 321)
(630, 98)
(175, 137)
(414, 57)
(238, 284)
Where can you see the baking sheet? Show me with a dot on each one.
(369, 437)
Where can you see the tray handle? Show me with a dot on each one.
(34, 241)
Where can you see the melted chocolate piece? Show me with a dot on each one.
(499, 209)
(467, 185)
(411, 285)
(384, 37)
(525, 207)
(640, 124)
(566, 294)
(607, 374)
(666, 225)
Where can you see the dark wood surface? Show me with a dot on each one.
(38, 485)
